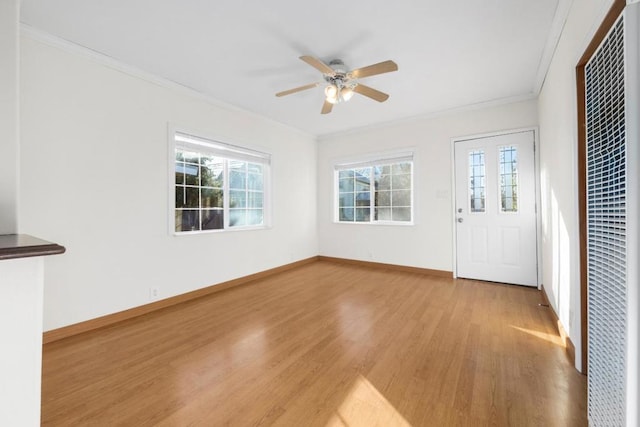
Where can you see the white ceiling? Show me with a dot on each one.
(450, 54)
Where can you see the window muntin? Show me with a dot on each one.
(477, 184)
(217, 186)
(393, 192)
(375, 192)
(508, 179)
(354, 195)
(246, 195)
(199, 191)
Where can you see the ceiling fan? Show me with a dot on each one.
(342, 83)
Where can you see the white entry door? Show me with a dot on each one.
(495, 209)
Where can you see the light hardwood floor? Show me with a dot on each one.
(324, 344)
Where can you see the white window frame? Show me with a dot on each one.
(469, 189)
(500, 211)
(198, 141)
(371, 160)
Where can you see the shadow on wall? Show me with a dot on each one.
(556, 234)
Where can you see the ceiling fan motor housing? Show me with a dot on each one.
(338, 66)
(340, 78)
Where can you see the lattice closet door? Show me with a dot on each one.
(612, 224)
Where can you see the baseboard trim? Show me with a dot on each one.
(568, 344)
(393, 267)
(109, 319)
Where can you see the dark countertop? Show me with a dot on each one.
(23, 246)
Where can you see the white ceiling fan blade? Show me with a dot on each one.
(297, 89)
(318, 65)
(375, 69)
(326, 107)
(371, 93)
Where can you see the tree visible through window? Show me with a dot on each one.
(199, 191)
(217, 186)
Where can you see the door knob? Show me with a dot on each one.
(460, 220)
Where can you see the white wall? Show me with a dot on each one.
(21, 331)
(94, 178)
(558, 167)
(9, 149)
(428, 243)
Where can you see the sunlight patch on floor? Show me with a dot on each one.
(366, 406)
(552, 338)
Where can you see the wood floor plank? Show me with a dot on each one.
(326, 344)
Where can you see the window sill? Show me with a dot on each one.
(227, 230)
(377, 223)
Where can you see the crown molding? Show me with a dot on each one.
(41, 36)
(555, 33)
(432, 115)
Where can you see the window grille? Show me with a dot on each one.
(218, 186)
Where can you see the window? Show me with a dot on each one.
(217, 186)
(476, 181)
(375, 191)
(508, 179)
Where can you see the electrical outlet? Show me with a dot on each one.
(153, 294)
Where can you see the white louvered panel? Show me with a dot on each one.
(606, 231)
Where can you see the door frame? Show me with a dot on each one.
(607, 23)
(536, 182)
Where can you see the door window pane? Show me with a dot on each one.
(476, 181)
(508, 179)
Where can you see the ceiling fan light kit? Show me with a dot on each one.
(336, 93)
(342, 84)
